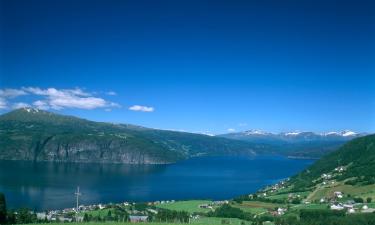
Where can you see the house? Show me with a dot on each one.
(368, 210)
(338, 194)
(137, 219)
(153, 211)
(41, 216)
(337, 207)
(65, 219)
(204, 206)
(351, 210)
(340, 169)
(195, 217)
(281, 211)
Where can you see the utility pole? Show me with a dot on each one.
(77, 194)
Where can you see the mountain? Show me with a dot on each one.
(353, 164)
(37, 135)
(297, 144)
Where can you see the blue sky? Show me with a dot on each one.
(199, 66)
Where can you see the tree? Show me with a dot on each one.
(3, 209)
(24, 215)
(86, 218)
(368, 200)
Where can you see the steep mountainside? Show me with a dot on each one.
(31, 134)
(298, 144)
(354, 163)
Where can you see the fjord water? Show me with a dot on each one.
(45, 185)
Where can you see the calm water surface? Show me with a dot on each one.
(52, 185)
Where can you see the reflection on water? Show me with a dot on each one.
(46, 185)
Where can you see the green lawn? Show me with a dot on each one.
(188, 206)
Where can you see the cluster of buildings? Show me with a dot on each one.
(352, 207)
(211, 205)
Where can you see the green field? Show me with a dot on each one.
(311, 206)
(250, 209)
(258, 204)
(200, 221)
(188, 206)
(360, 191)
(285, 195)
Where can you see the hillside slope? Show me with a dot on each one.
(355, 160)
(31, 134)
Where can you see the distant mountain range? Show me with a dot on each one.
(297, 144)
(37, 135)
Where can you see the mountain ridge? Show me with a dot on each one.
(296, 143)
(37, 135)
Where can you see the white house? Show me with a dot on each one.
(281, 211)
(338, 194)
(136, 219)
(337, 207)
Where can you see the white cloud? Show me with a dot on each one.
(242, 124)
(208, 133)
(231, 130)
(68, 98)
(41, 105)
(52, 98)
(11, 93)
(3, 103)
(141, 108)
(111, 93)
(19, 105)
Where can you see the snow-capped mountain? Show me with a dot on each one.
(296, 134)
(304, 142)
(256, 132)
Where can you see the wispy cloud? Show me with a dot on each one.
(141, 108)
(41, 105)
(11, 93)
(231, 130)
(208, 133)
(242, 124)
(111, 93)
(19, 105)
(68, 98)
(3, 103)
(53, 98)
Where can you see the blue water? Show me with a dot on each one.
(46, 185)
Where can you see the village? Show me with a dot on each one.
(131, 212)
(327, 195)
